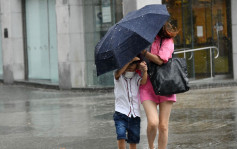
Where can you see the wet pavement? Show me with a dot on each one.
(33, 118)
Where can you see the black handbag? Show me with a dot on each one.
(169, 78)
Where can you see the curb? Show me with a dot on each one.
(193, 86)
(203, 85)
(56, 87)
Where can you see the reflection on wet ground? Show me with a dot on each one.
(50, 119)
(205, 119)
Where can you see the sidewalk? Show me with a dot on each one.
(198, 84)
(212, 83)
(33, 118)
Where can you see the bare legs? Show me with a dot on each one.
(122, 145)
(164, 109)
(153, 122)
(132, 146)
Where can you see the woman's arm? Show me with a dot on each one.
(152, 57)
(163, 54)
(144, 78)
(143, 68)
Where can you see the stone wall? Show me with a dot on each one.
(12, 46)
(71, 45)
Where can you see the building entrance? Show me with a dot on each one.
(203, 23)
(41, 35)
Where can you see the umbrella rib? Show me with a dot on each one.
(118, 62)
(122, 21)
(127, 25)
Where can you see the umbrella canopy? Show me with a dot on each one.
(129, 37)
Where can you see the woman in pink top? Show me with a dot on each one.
(160, 53)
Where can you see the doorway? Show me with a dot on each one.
(202, 24)
(41, 36)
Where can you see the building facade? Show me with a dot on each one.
(53, 41)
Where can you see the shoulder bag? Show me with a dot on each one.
(169, 78)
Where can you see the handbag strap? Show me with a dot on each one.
(149, 50)
(160, 42)
(161, 45)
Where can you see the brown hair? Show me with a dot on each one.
(168, 31)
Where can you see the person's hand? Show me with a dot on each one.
(143, 52)
(134, 59)
(143, 66)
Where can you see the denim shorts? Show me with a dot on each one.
(127, 128)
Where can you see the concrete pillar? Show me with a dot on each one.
(130, 5)
(71, 45)
(12, 46)
(234, 37)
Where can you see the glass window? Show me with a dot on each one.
(41, 39)
(203, 23)
(99, 16)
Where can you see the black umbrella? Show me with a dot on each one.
(129, 37)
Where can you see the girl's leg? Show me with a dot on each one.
(121, 144)
(150, 108)
(132, 146)
(164, 115)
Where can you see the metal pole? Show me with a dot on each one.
(211, 60)
(192, 35)
(114, 11)
(184, 54)
(23, 5)
(183, 25)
